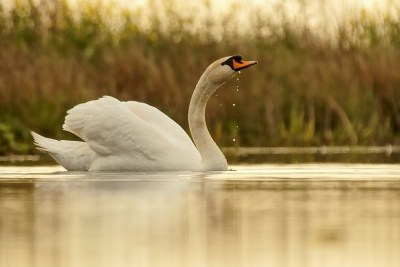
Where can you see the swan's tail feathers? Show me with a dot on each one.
(72, 155)
(45, 144)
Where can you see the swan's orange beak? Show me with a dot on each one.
(242, 64)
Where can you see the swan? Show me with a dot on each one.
(134, 136)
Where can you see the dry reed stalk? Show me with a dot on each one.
(46, 71)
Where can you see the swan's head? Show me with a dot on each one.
(225, 68)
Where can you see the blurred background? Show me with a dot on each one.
(328, 73)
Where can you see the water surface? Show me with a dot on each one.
(258, 215)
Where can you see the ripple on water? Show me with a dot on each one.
(244, 171)
(260, 215)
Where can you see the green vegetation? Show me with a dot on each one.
(308, 89)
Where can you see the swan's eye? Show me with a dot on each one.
(228, 62)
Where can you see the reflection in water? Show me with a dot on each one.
(181, 219)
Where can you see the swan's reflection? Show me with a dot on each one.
(197, 220)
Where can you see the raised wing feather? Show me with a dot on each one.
(111, 127)
(162, 124)
(79, 115)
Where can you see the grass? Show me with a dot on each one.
(341, 88)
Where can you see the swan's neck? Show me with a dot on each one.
(212, 157)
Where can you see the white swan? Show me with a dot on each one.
(133, 136)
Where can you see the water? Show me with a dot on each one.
(322, 154)
(258, 215)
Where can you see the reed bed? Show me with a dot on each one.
(309, 89)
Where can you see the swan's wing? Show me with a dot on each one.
(162, 123)
(110, 128)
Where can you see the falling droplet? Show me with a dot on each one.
(216, 95)
(237, 90)
(234, 139)
(239, 71)
(237, 126)
(233, 105)
(237, 79)
(220, 104)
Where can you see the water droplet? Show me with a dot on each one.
(233, 104)
(216, 95)
(234, 139)
(237, 79)
(239, 71)
(220, 104)
(237, 90)
(237, 126)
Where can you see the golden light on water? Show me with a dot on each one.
(260, 215)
